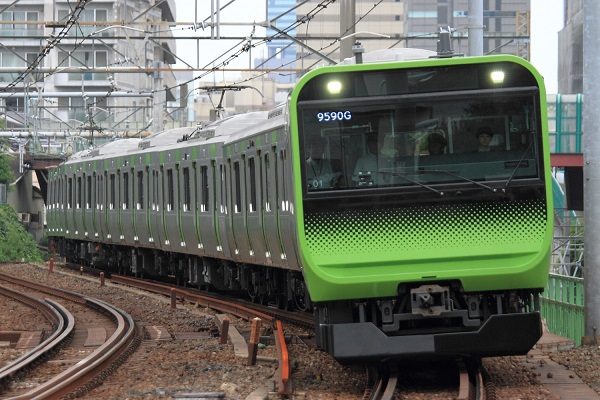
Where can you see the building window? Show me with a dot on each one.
(86, 59)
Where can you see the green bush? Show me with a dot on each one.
(15, 243)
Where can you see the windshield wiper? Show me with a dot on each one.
(513, 173)
(404, 176)
(442, 171)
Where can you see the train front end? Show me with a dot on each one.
(423, 205)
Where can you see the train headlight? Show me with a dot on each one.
(497, 77)
(334, 87)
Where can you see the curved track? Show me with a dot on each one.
(88, 372)
(60, 318)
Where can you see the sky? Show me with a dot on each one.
(546, 21)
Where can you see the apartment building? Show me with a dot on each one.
(415, 23)
(80, 76)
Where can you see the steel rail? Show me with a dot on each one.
(62, 321)
(203, 299)
(90, 371)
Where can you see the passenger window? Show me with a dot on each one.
(113, 196)
(186, 189)
(170, 190)
(204, 188)
(70, 193)
(140, 190)
(79, 193)
(267, 185)
(252, 172)
(238, 197)
(88, 188)
(125, 191)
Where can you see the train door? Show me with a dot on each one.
(79, 205)
(171, 207)
(88, 206)
(254, 211)
(126, 221)
(285, 208)
(70, 204)
(93, 209)
(208, 209)
(163, 239)
(156, 235)
(187, 205)
(141, 202)
(239, 209)
(113, 205)
(104, 208)
(270, 223)
(223, 229)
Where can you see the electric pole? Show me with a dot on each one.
(591, 169)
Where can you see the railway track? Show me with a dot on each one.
(472, 379)
(62, 321)
(91, 370)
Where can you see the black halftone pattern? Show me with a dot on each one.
(428, 228)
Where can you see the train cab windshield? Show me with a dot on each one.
(421, 141)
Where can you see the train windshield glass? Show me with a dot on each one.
(419, 141)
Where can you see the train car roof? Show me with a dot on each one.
(389, 55)
(114, 148)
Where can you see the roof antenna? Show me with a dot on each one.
(444, 45)
(357, 50)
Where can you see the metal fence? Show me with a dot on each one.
(562, 305)
(565, 122)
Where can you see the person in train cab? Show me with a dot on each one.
(436, 144)
(484, 139)
(366, 168)
(319, 174)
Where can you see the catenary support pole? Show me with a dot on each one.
(475, 28)
(591, 168)
(347, 18)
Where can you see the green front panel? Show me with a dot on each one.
(562, 306)
(367, 253)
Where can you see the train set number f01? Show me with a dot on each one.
(334, 116)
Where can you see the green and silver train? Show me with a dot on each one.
(407, 204)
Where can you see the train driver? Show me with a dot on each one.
(484, 139)
(436, 144)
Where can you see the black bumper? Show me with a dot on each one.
(500, 335)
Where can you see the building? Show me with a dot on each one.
(570, 48)
(280, 51)
(90, 92)
(415, 23)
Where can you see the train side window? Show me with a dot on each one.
(284, 202)
(252, 191)
(111, 204)
(186, 189)
(204, 206)
(125, 190)
(140, 190)
(238, 197)
(88, 188)
(79, 191)
(222, 188)
(170, 190)
(267, 185)
(69, 193)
